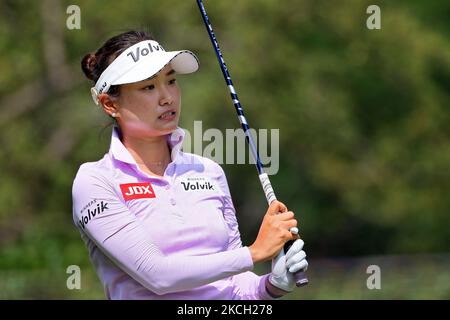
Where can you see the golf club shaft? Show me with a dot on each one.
(300, 276)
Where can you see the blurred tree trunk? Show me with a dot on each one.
(57, 73)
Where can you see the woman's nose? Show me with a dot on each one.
(166, 97)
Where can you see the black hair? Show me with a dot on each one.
(93, 64)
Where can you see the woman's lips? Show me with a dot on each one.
(168, 115)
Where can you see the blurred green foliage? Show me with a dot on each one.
(363, 118)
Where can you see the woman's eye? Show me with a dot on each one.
(150, 87)
(172, 81)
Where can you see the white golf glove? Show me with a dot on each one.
(284, 267)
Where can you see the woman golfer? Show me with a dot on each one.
(159, 223)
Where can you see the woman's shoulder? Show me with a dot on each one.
(100, 169)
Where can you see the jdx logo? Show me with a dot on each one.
(102, 206)
(144, 51)
(137, 190)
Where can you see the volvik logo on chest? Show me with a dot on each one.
(197, 184)
(137, 190)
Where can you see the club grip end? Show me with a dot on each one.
(300, 278)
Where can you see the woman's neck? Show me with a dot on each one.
(151, 155)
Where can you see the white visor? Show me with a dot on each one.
(142, 61)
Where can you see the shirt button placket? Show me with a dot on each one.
(173, 202)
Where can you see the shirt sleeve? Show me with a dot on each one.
(121, 237)
(247, 285)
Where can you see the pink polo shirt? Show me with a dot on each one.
(174, 237)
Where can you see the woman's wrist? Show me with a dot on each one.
(256, 257)
(274, 291)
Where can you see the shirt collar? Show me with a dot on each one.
(119, 152)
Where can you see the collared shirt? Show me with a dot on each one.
(169, 237)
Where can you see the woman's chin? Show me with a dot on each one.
(169, 125)
(172, 125)
(142, 129)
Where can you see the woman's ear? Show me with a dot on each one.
(109, 105)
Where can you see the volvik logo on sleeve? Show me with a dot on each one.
(138, 190)
(101, 207)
